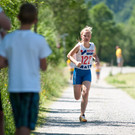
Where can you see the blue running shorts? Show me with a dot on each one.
(79, 76)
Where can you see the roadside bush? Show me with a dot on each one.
(8, 117)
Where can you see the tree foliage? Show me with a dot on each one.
(122, 9)
(58, 17)
(69, 17)
(104, 31)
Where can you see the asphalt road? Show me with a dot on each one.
(110, 111)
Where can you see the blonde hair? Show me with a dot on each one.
(87, 28)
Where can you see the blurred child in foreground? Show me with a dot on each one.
(24, 52)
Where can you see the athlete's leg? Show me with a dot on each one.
(118, 62)
(77, 82)
(98, 74)
(77, 91)
(85, 93)
(72, 76)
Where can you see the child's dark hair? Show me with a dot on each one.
(28, 13)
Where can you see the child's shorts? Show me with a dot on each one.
(0, 103)
(119, 59)
(25, 109)
(80, 76)
(97, 73)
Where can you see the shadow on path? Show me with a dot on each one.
(55, 121)
(35, 133)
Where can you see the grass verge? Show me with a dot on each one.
(53, 84)
(126, 82)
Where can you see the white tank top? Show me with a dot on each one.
(85, 56)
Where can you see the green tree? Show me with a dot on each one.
(129, 43)
(69, 17)
(104, 31)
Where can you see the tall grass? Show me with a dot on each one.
(53, 82)
(8, 117)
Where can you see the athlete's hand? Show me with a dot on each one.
(97, 60)
(78, 64)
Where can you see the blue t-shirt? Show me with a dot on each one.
(23, 49)
(1, 10)
(0, 34)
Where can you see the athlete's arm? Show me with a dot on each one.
(96, 57)
(43, 64)
(71, 54)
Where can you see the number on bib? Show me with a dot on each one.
(86, 59)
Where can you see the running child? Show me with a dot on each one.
(85, 51)
(71, 68)
(25, 53)
(97, 70)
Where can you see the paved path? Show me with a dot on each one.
(110, 111)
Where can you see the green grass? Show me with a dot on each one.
(126, 82)
(8, 117)
(53, 84)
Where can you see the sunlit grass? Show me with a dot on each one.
(125, 82)
(52, 84)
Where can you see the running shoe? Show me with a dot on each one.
(82, 118)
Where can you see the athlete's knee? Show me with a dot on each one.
(85, 91)
(77, 97)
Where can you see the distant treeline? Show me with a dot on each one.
(61, 22)
(122, 9)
